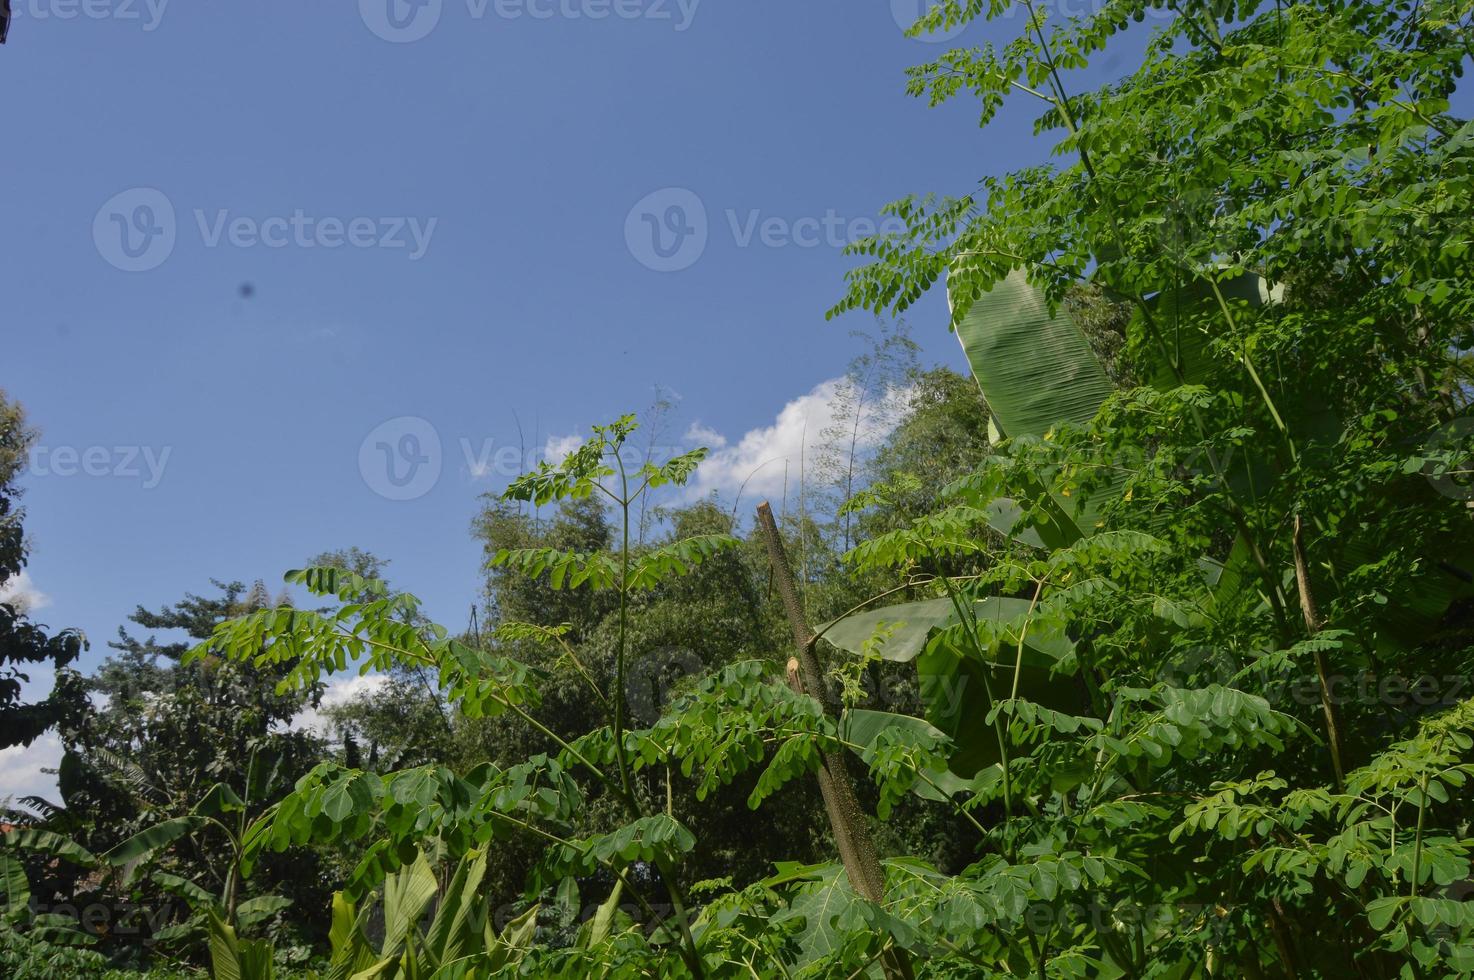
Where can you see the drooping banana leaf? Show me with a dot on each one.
(905, 629)
(49, 842)
(452, 930)
(861, 727)
(909, 626)
(232, 958)
(406, 896)
(954, 681)
(254, 911)
(16, 889)
(1036, 369)
(133, 852)
(1037, 373)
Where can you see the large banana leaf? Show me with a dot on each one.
(131, 853)
(597, 929)
(351, 952)
(1035, 368)
(48, 842)
(955, 684)
(902, 631)
(16, 889)
(860, 727)
(406, 896)
(1037, 372)
(232, 958)
(456, 927)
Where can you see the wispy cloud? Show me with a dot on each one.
(340, 690)
(769, 458)
(558, 448)
(21, 769)
(701, 435)
(22, 593)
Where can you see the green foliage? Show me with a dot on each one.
(1212, 485)
(23, 642)
(1201, 510)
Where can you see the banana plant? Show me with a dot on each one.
(1036, 368)
(16, 914)
(220, 809)
(461, 939)
(233, 958)
(223, 810)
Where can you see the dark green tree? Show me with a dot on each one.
(23, 643)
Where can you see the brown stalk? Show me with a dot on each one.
(1313, 625)
(846, 820)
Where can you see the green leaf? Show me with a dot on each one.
(863, 728)
(406, 896)
(47, 842)
(145, 843)
(455, 927)
(232, 958)
(17, 888)
(598, 929)
(198, 898)
(1381, 911)
(219, 799)
(911, 624)
(1035, 368)
(256, 910)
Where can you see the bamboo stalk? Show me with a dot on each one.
(846, 820)
(1313, 625)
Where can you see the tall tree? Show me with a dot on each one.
(23, 642)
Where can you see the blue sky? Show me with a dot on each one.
(449, 228)
(526, 142)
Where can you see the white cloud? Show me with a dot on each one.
(21, 766)
(767, 458)
(702, 435)
(340, 690)
(558, 448)
(20, 769)
(22, 593)
(480, 468)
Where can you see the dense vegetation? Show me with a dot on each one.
(1149, 654)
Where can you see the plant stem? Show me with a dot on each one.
(851, 835)
(619, 655)
(969, 622)
(1313, 625)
